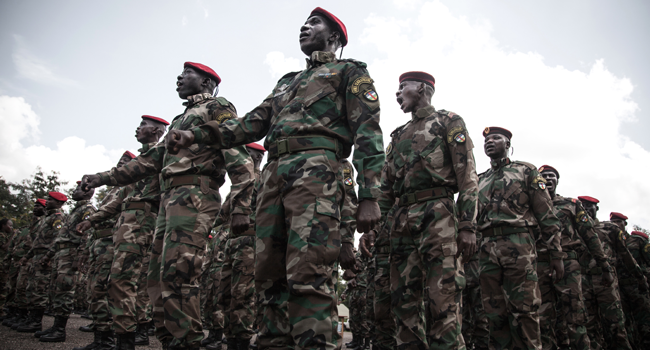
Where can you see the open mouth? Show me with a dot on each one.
(178, 85)
(303, 35)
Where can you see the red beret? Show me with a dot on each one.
(156, 119)
(129, 154)
(210, 236)
(58, 196)
(256, 146)
(497, 130)
(78, 182)
(639, 233)
(615, 215)
(419, 76)
(588, 199)
(550, 168)
(41, 201)
(337, 22)
(205, 69)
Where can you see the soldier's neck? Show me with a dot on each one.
(496, 163)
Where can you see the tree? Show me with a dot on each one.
(639, 228)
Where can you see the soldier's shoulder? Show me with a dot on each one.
(483, 174)
(357, 63)
(449, 114)
(223, 101)
(399, 129)
(289, 75)
(521, 164)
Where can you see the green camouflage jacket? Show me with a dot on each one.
(68, 234)
(332, 98)
(145, 190)
(197, 160)
(636, 245)
(22, 242)
(577, 229)
(51, 225)
(513, 193)
(362, 275)
(5, 244)
(432, 150)
(615, 249)
(224, 216)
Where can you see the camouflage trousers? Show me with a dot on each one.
(370, 301)
(236, 293)
(206, 282)
(132, 240)
(385, 327)
(39, 283)
(184, 222)
(605, 319)
(213, 311)
(81, 291)
(511, 296)
(11, 281)
(101, 259)
(358, 312)
(143, 306)
(570, 307)
(298, 243)
(63, 298)
(19, 295)
(636, 306)
(547, 312)
(423, 249)
(476, 328)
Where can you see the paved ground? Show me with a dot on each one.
(12, 340)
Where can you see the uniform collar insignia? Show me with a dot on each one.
(499, 162)
(320, 57)
(423, 112)
(197, 98)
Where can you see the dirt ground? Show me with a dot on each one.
(12, 340)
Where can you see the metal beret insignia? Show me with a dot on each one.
(224, 117)
(486, 131)
(647, 248)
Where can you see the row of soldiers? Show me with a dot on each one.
(525, 241)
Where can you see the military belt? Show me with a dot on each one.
(502, 231)
(65, 245)
(295, 144)
(383, 249)
(107, 232)
(425, 195)
(134, 205)
(593, 271)
(184, 180)
(571, 256)
(627, 281)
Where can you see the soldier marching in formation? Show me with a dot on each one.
(448, 259)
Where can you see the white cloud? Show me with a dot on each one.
(33, 68)
(72, 157)
(568, 119)
(280, 65)
(407, 4)
(184, 21)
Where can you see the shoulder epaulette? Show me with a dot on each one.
(355, 62)
(449, 114)
(398, 129)
(524, 164)
(483, 173)
(222, 101)
(289, 75)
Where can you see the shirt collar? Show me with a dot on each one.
(496, 164)
(423, 112)
(196, 98)
(80, 203)
(320, 57)
(146, 147)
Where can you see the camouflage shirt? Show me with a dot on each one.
(577, 229)
(52, 224)
(22, 242)
(109, 209)
(68, 234)
(198, 159)
(513, 193)
(615, 249)
(332, 98)
(362, 264)
(145, 190)
(432, 150)
(636, 244)
(223, 218)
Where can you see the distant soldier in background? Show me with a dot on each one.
(7, 234)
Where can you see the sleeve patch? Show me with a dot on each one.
(582, 217)
(389, 148)
(223, 117)
(457, 134)
(57, 224)
(356, 85)
(86, 215)
(541, 183)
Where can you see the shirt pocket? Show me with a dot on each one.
(516, 198)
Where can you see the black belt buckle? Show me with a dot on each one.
(283, 147)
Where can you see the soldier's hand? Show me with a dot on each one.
(178, 139)
(466, 242)
(368, 215)
(608, 278)
(353, 283)
(83, 226)
(240, 223)
(558, 266)
(366, 242)
(346, 256)
(90, 181)
(348, 275)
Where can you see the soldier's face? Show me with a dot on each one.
(52, 203)
(188, 83)
(551, 180)
(591, 208)
(39, 209)
(146, 131)
(123, 160)
(620, 223)
(79, 193)
(408, 95)
(496, 146)
(314, 35)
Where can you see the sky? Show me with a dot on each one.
(570, 79)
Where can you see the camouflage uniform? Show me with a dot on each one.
(429, 159)
(513, 200)
(310, 120)
(605, 319)
(359, 298)
(190, 200)
(476, 328)
(215, 312)
(577, 237)
(66, 244)
(385, 326)
(636, 303)
(5, 242)
(20, 245)
(132, 239)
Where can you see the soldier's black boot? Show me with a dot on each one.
(215, 344)
(107, 341)
(353, 343)
(242, 344)
(93, 345)
(207, 340)
(15, 316)
(366, 345)
(45, 331)
(89, 328)
(35, 322)
(58, 331)
(151, 329)
(125, 341)
(141, 334)
(24, 318)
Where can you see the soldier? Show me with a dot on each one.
(428, 160)
(236, 293)
(100, 227)
(64, 259)
(476, 327)
(311, 119)
(512, 201)
(132, 240)
(190, 201)
(605, 319)
(39, 280)
(214, 313)
(358, 302)
(577, 237)
(7, 234)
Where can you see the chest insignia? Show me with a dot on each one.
(389, 148)
(327, 75)
(371, 95)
